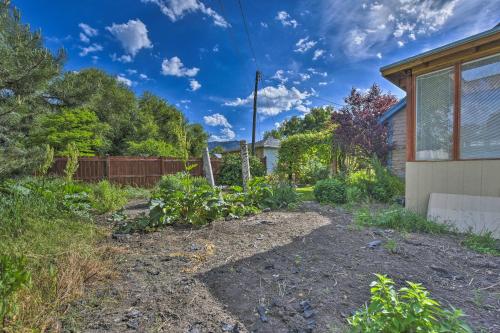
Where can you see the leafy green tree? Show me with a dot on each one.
(198, 140)
(80, 127)
(152, 147)
(26, 67)
(317, 120)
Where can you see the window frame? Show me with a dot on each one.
(412, 110)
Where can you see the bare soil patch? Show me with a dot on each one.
(302, 271)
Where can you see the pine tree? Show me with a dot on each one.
(26, 68)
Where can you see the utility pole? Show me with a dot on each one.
(257, 78)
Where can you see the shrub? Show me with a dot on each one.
(13, 277)
(331, 190)
(386, 186)
(400, 219)
(72, 162)
(359, 184)
(107, 198)
(152, 147)
(230, 171)
(408, 310)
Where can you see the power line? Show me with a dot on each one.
(248, 33)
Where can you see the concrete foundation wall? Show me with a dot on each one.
(480, 177)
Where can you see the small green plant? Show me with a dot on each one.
(72, 162)
(400, 219)
(410, 309)
(331, 190)
(47, 161)
(106, 197)
(391, 245)
(13, 277)
(482, 243)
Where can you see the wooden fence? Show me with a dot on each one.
(130, 170)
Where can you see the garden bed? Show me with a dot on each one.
(299, 271)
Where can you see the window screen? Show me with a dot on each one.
(480, 109)
(434, 113)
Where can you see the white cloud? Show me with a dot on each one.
(143, 76)
(87, 31)
(318, 54)
(216, 119)
(275, 100)
(133, 36)
(176, 9)
(124, 80)
(227, 134)
(84, 38)
(363, 31)
(304, 44)
(90, 49)
(264, 25)
(125, 58)
(315, 72)
(216, 48)
(132, 71)
(379, 55)
(286, 20)
(401, 43)
(194, 85)
(175, 67)
(322, 83)
(280, 76)
(304, 76)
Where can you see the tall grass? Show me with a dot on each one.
(49, 223)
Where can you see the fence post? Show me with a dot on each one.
(245, 163)
(161, 166)
(108, 168)
(207, 167)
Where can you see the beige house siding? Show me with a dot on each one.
(398, 153)
(481, 177)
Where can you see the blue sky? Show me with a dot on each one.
(196, 55)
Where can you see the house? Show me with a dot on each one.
(268, 149)
(395, 120)
(453, 128)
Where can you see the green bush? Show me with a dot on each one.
(410, 309)
(184, 199)
(230, 172)
(13, 277)
(331, 190)
(400, 219)
(107, 197)
(359, 184)
(152, 147)
(483, 243)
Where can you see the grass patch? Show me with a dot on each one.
(400, 219)
(306, 193)
(48, 223)
(404, 220)
(482, 243)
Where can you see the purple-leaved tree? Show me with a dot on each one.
(357, 134)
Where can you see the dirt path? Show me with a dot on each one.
(303, 271)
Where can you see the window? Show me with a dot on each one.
(480, 109)
(434, 115)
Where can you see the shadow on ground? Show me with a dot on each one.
(314, 283)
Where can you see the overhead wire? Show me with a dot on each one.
(247, 32)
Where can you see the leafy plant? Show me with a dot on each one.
(152, 147)
(230, 172)
(386, 186)
(47, 161)
(72, 161)
(13, 277)
(331, 190)
(483, 243)
(106, 197)
(408, 310)
(400, 219)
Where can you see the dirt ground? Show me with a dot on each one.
(301, 271)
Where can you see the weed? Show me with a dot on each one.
(482, 243)
(408, 310)
(391, 245)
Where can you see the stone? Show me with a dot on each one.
(374, 244)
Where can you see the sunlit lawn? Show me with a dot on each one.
(306, 193)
